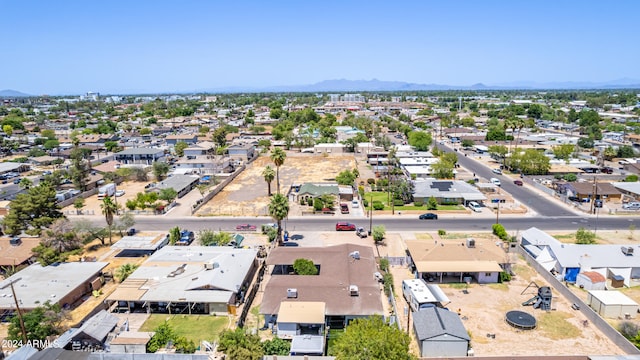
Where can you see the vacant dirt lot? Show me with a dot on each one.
(247, 194)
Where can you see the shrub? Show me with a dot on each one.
(418, 203)
(387, 280)
(442, 232)
(570, 177)
(398, 202)
(377, 205)
(499, 231)
(365, 202)
(378, 232)
(631, 178)
(505, 276)
(361, 190)
(584, 236)
(384, 265)
(432, 203)
(310, 201)
(371, 181)
(302, 201)
(317, 204)
(629, 329)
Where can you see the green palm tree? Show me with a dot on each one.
(268, 175)
(279, 210)
(519, 124)
(109, 208)
(124, 271)
(278, 156)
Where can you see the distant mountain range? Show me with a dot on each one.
(376, 85)
(12, 93)
(379, 85)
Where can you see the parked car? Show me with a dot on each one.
(17, 180)
(428, 216)
(345, 226)
(355, 204)
(119, 193)
(246, 227)
(495, 181)
(518, 182)
(131, 232)
(361, 232)
(474, 206)
(290, 243)
(344, 208)
(607, 170)
(631, 206)
(497, 171)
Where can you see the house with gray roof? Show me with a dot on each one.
(440, 333)
(91, 335)
(446, 191)
(61, 283)
(314, 190)
(140, 156)
(566, 261)
(182, 184)
(188, 280)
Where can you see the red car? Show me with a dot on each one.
(518, 182)
(246, 227)
(345, 226)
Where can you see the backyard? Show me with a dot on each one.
(193, 327)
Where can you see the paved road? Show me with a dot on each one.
(527, 197)
(512, 223)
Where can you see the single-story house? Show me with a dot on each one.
(303, 323)
(314, 190)
(631, 189)
(446, 191)
(6, 167)
(587, 190)
(345, 284)
(481, 260)
(137, 246)
(200, 148)
(566, 261)
(91, 335)
(612, 304)
(440, 333)
(326, 148)
(61, 283)
(202, 165)
(16, 251)
(189, 280)
(43, 160)
(591, 280)
(180, 183)
(140, 156)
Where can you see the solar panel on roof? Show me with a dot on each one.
(442, 185)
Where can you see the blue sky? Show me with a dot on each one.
(71, 47)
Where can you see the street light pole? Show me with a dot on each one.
(15, 298)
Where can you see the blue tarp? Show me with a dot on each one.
(571, 275)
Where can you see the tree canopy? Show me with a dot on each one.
(32, 211)
(421, 140)
(304, 267)
(372, 338)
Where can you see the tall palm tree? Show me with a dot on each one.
(268, 175)
(279, 210)
(278, 156)
(519, 124)
(109, 208)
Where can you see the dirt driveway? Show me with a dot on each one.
(247, 194)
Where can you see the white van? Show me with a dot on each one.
(495, 181)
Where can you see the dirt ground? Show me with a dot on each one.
(92, 204)
(483, 309)
(247, 194)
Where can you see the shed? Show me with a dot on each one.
(612, 304)
(440, 333)
(591, 280)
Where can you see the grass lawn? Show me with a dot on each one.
(554, 325)
(193, 327)
(334, 334)
(382, 197)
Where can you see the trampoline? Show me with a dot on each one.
(521, 320)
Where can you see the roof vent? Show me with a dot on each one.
(355, 255)
(292, 293)
(353, 290)
(628, 251)
(471, 243)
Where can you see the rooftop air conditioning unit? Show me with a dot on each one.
(355, 255)
(15, 241)
(292, 293)
(627, 250)
(353, 290)
(471, 243)
(208, 266)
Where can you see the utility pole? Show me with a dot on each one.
(371, 215)
(15, 298)
(498, 213)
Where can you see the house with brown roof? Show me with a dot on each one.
(477, 260)
(345, 284)
(16, 251)
(190, 139)
(588, 190)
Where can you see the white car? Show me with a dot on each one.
(497, 171)
(119, 193)
(355, 204)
